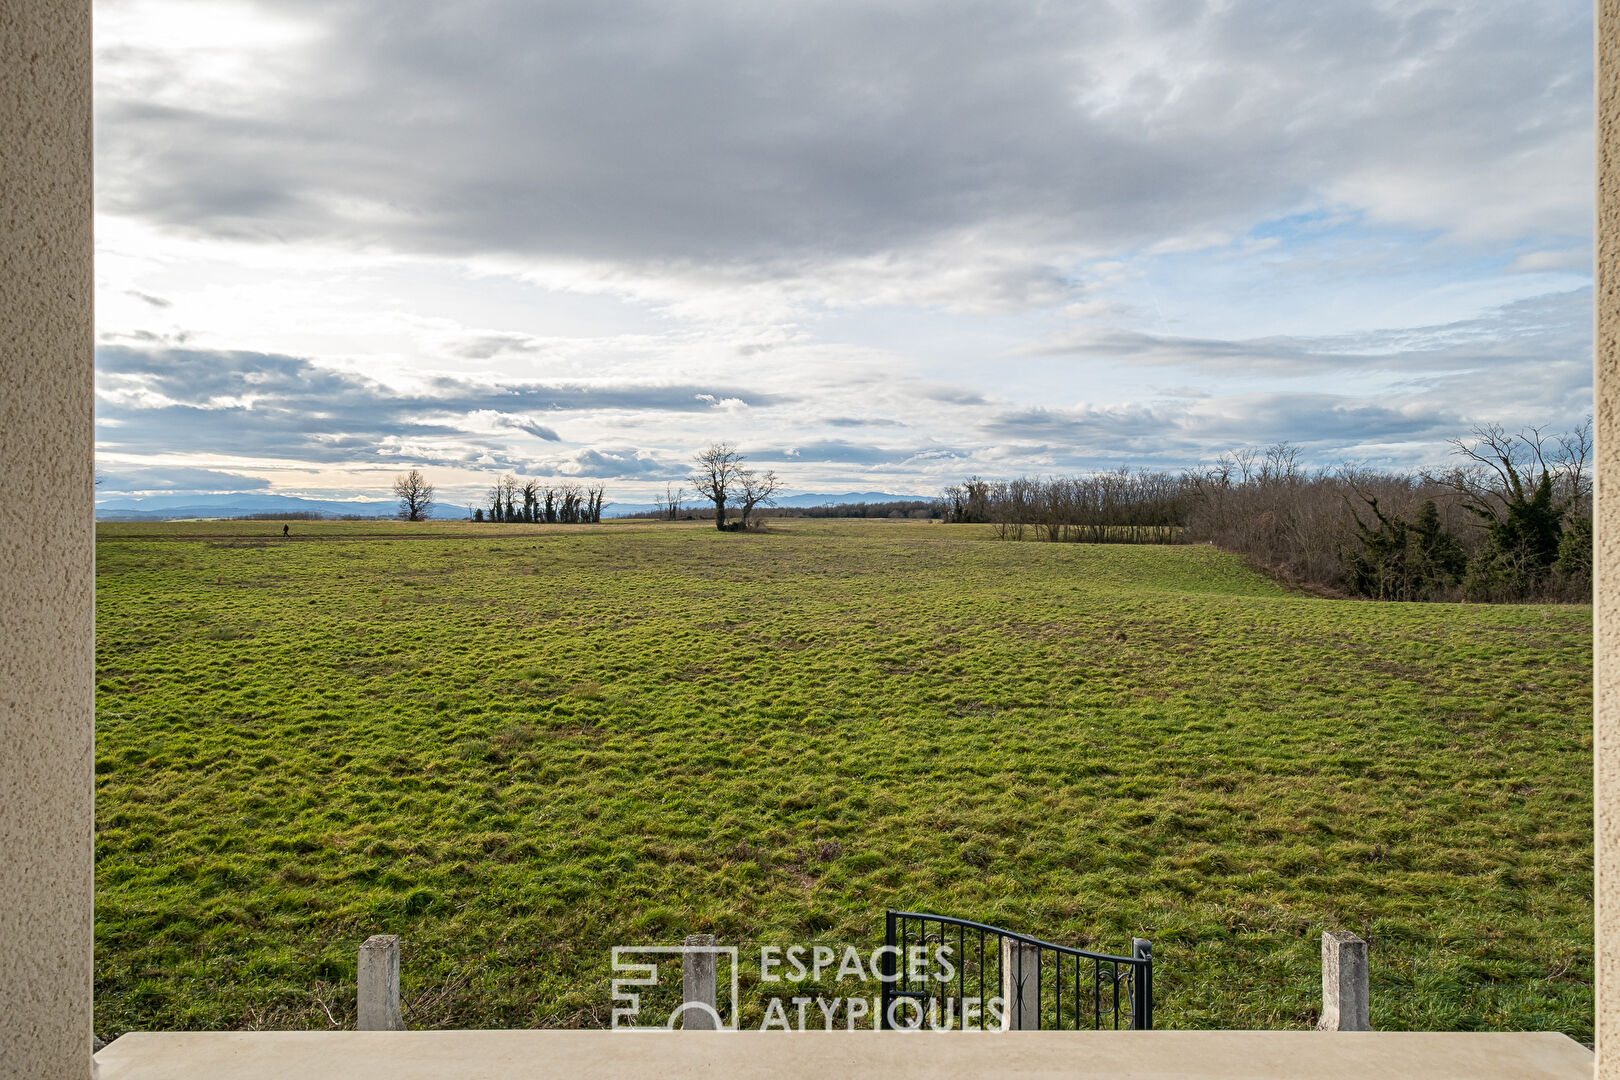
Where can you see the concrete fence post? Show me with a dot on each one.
(1020, 986)
(1345, 992)
(378, 976)
(697, 984)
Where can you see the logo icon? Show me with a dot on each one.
(627, 995)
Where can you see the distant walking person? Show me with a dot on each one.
(286, 530)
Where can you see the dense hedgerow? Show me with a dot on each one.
(1514, 523)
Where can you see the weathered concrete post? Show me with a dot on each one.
(378, 976)
(697, 984)
(1020, 986)
(1345, 994)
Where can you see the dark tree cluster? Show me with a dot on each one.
(1402, 560)
(530, 501)
(1511, 522)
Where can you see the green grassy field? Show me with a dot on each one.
(518, 746)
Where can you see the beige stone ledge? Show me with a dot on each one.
(820, 1055)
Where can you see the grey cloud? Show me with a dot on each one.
(1532, 331)
(833, 451)
(488, 346)
(781, 136)
(533, 427)
(957, 397)
(155, 301)
(1089, 430)
(277, 406)
(609, 463)
(1329, 428)
(936, 454)
(119, 480)
(145, 337)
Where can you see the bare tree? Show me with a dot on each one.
(509, 492)
(1504, 470)
(717, 476)
(415, 495)
(668, 505)
(1574, 457)
(756, 490)
(531, 500)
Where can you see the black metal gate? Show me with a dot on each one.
(944, 973)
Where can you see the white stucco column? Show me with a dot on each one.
(47, 538)
(1606, 616)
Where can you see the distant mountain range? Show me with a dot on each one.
(239, 504)
(847, 497)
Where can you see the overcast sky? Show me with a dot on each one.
(877, 245)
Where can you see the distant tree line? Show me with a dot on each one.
(670, 505)
(895, 508)
(511, 499)
(1512, 521)
(310, 515)
(1123, 507)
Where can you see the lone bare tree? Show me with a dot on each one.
(717, 475)
(757, 489)
(415, 496)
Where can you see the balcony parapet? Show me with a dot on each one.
(817, 1055)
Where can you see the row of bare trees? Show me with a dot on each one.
(511, 499)
(720, 474)
(1511, 519)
